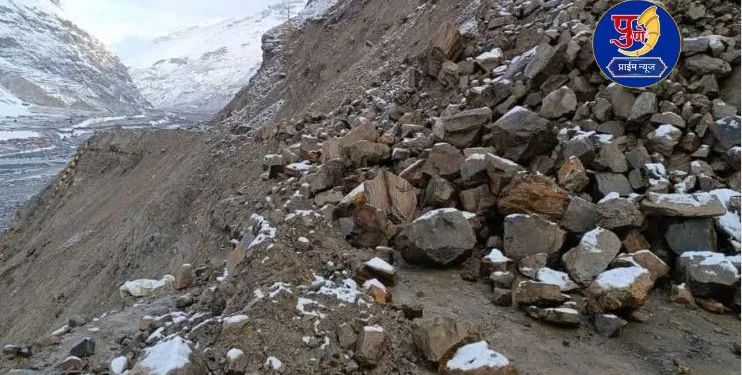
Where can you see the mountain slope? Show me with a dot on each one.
(48, 61)
(202, 67)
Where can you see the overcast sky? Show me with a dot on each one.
(123, 23)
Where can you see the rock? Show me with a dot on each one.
(572, 175)
(664, 138)
(695, 45)
(477, 199)
(704, 64)
(670, 118)
(447, 45)
(726, 131)
(436, 337)
(378, 292)
(441, 237)
(490, 60)
(526, 235)
(392, 195)
(530, 265)
(680, 294)
(581, 216)
(461, 129)
(493, 262)
(682, 205)
(366, 131)
(520, 135)
(71, 365)
(611, 156)
(592, 255)
(377, 268)
(76, 321)
(558, 103)
(619, 213)
(328, 175)
(608, 325)
(346, 336)
(651, 262)
(692, 235)
(184, 301)
(635, 241)
(707, 273)
(477, 359)
(559, 278)
(439, 192)
(613, 182)
(473, 170)
(184, 277)
(444, 160)
(619, 288)
(502, 297)
(534, 194)
(644, 106)
(364, 153)
(500, 171)
(622, 100)
(537, 293)
(84, 348)
(546, 61)
(370, 346)
(236, 362)
(562, 316)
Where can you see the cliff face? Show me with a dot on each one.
(46, 60)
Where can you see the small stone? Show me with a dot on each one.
(561, 316)
(184, 300)
(608, 325)
(502, 297)
(619, 213)
(644, 106)
(572, 175)
(435, 337)
(346, 336)
(613, 182)
(534, 194)
(692, 235)
(76, 321)
(84, 348)
(370, 346)
(184, 277)
(539, 294)
(558, 103)
(680, 294)
(664, 138)
(712, 305)
(707, 273)
(477, 359)
(440, 237)
(502, 279)
(581, 216)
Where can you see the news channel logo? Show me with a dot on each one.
(636, 43)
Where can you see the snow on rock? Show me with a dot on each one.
(381, 265)
(730, 221)
(166, 356)
(118, 365)
(235, 319)
(707, 267)
(262, 229)
(476, 356)
(144, 287)
(619, 277)
(550, 276)
(234, 354)
(375, 283)
(274, 363)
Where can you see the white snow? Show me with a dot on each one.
(301, 166)
(373, 282)
(730, 221)
(619, 277)
(346, 292)
(711, 258)
(61, 330)
(666, 131)
(379, 264)
(550, 276)
(590, 239)
(695, 199)
(432, 213)
(496, 256)
(609, 197)
(167, 356)
(374, 328)
(235, 319)
(234, 354)
(7, 135)
(474, 356)
(274, 363)
(143, 287)
(118, 365)
(265, 231)
(494, 54)
(277, 288)
(302, 304)
(303, 240)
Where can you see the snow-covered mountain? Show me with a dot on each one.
(47, 61)
(202, 67)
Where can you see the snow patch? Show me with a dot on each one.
(619, 277)
(475, 356)
(167, 356)
(143, 287)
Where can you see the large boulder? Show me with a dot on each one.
(520, 135)
(726, 131)
(558, 103)
(462, 128)
(444, 160)
(692, 235)
(619, 213)
(534, 194)
(619, 289)
(436, 337)
(441, 237)
(708, 274)
(526, 235)
(387, 192)
(581, 215)
(683, 205)
(592, 255)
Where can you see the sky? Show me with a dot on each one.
(125, 24)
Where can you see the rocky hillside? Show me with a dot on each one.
(202, 67)
(46, 60)
(456, 189)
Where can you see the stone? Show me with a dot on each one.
(366, 131)
(613, 182)
(391, 194)
(477, 199)
(726, 131)
(638, 157)
(546, 61)
(695, 45)
(680, 294)
(447, 45)
(592, 255)
(608, 325)
(520, 135)
(70, 365)
(692, 235)
(618, 289)
(559, 278)
(439, 192)
(702, 64)
(377, 268)
(721, 109)
(461, 129)
(184, 277)
(526, 235)
(500, 171)
(712, 305)
(670, 118)
(490, 60)
(622, 100)
(436, 337)
(502, 279)
(651, 262)
(707, 273)
(502, 297)
(537, 293)
(580, 146)
(370, 346)
(494, 261)
(184, 301)
(682, 205)
(76, 321)
(562, 316)
(635, 241)
(346, 336)
(612, 157)
(664, 138)
(619, 213)
(477, 359)
(444, 160)
(558, 103)
(602, 109)
(441, 237)
(236, 362)
(572, 175)
(530, 265)
(473, 170)
(643, 108)
(328, 175)
(581, 216)
(84, 348)
(364, 153)
(534, 194)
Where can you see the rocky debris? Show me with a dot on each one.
(562, 316)
(526, 235)
(502, 297)
(616, 212)
(683, 205)
(436, 337)
(13, 351)
(559, 278)
(619, 289)
(707, 273)
(71, 364)
(608, 325)
(477, 359)
(592, 255)
(572, 175)
(444, 160)
(76, 321)
(441, 237)
(538, 293)
(236, 361)
(370, 346)
(581, 216)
